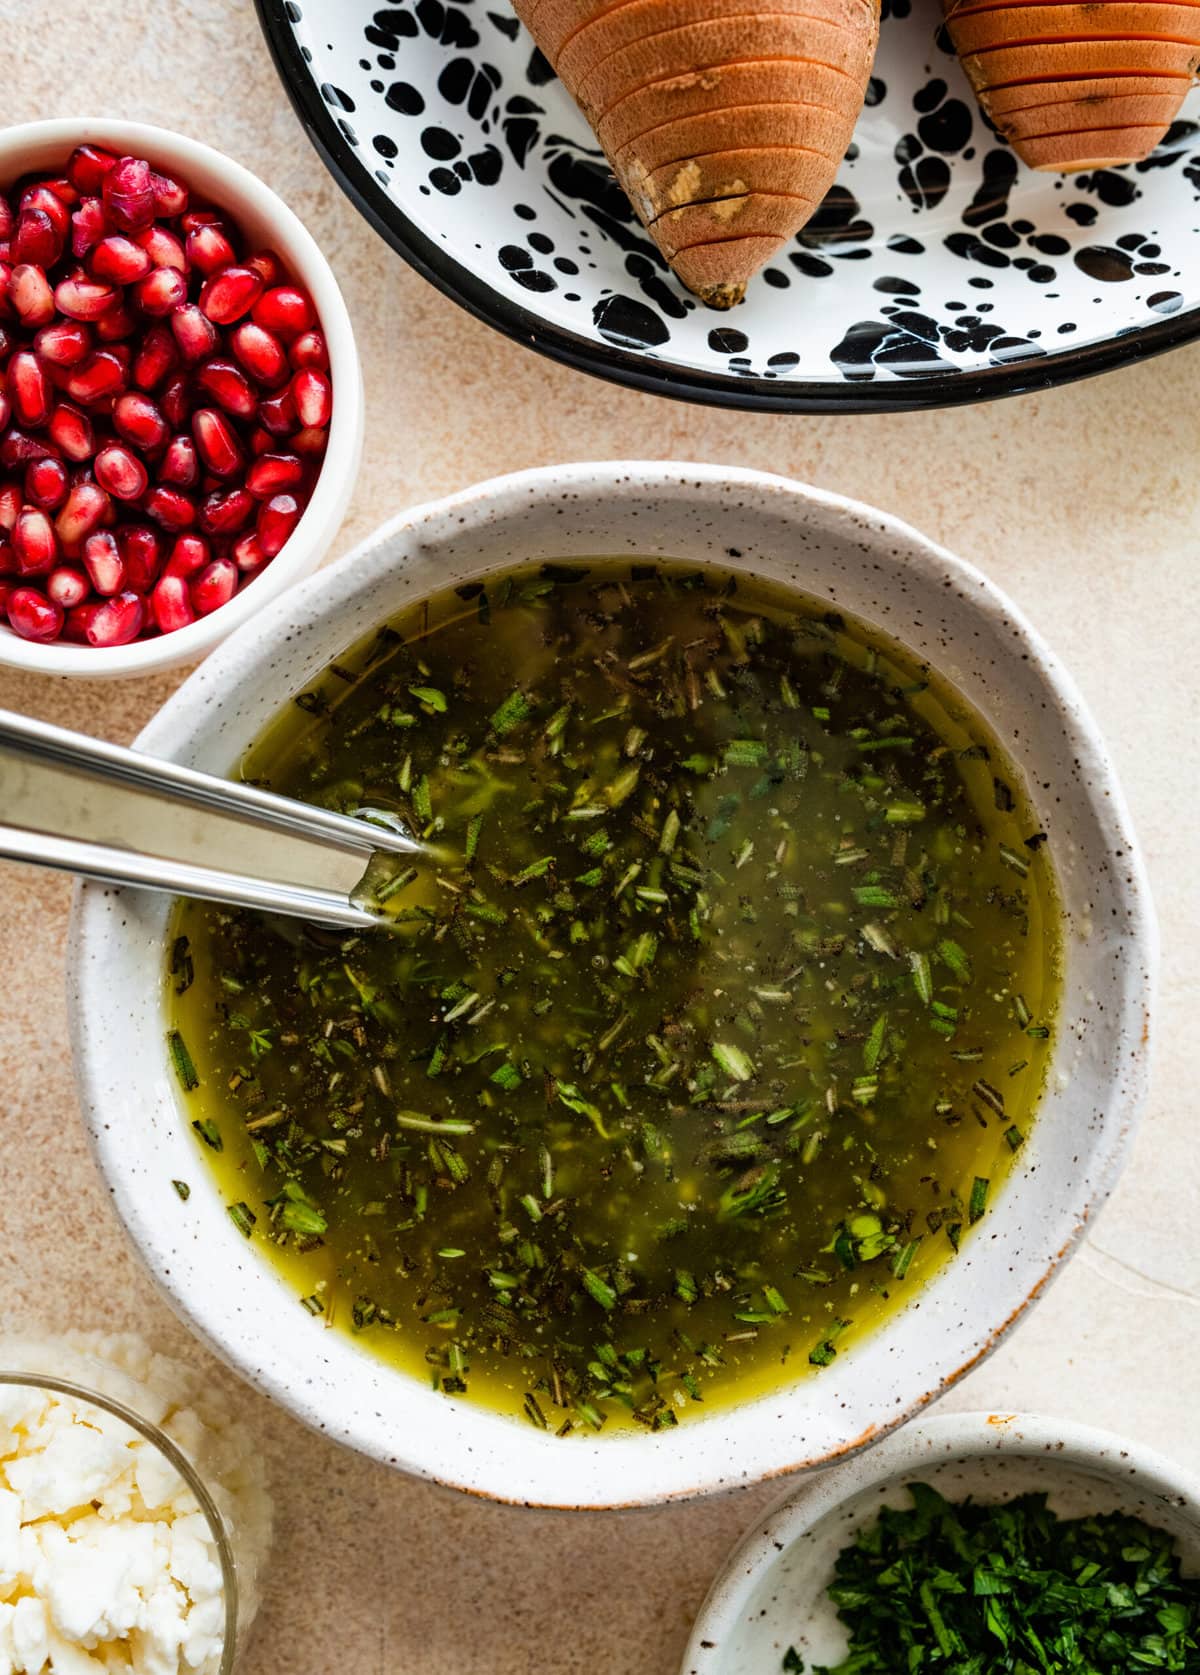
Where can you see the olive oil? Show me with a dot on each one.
(709, 1030)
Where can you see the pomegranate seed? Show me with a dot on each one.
(36, 239)
(310, 349)
(248, 554)
(30, 295)
(214, 586)
(46, 483)
(189, 555)
(120, 259)
(138, 420)
(86, 506)
(313, 397)
(266, 264)
(227, 385)
(117, 621)
(10, 506)
(121, 473)
(87, 167)
(162, 246)
(28, 389)
(103, 563)
(48, 196)
(88, 226)
(8, 559)
(102, 374)
(83, 298)
(6, 307)
(170, 195)
(119, 323)
(200, 217)
(128, 194)
(180, 464)
(79, 620)
(65, 343)
(34, 542)
(33, 616)
(227, 295)
(216, 442)
(67, 587)
(209, 250)
(71, 431)
(141, 550)
(278, 413)
(194, 332)
(18, 450)
(272, 473)
(176, 401)
(7, 219)
(170, 508)
(156, 356)
(312, 442)
(225, 511)
(262, 442)
(284, 310)
(172, 604)
(162, 290)
(5, 410)
(260, 352)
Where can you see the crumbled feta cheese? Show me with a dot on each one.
(107, 1562)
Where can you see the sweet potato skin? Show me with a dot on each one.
(725, 125)
(1080, 85)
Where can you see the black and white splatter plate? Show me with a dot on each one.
(938, 270)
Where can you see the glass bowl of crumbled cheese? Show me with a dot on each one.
(134, 1515)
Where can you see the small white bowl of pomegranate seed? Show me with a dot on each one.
(181, 408)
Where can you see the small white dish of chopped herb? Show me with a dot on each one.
(979, 1542)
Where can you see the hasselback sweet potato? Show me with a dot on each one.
(724, 124)
(1078, 84)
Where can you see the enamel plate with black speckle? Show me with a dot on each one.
(938, 269)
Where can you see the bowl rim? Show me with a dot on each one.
(333, 488)
(181, 721)
(656, 377)
(942, 1437)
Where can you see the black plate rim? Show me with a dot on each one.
(641, 371)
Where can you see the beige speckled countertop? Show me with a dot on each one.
(1082, 503)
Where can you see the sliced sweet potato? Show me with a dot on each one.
(729, 87)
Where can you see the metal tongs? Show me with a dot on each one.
(100, 811)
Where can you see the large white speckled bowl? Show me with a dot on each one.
(858, 560)
(771, 1593)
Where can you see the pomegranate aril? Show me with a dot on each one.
(227, 386)
(176, 401)
(171, 603)
(138, 420)
(5, 410)
(82, 298)
(278, 413)
(170, 195)
(214, 586)
(10, 506)
(67, 587)
(28, 389)
(46, 483)
(163, 247)
(285, 310)
(262, 442)
(225, 511)
(156, 356)
(102, 374)
(128, 193)
(260, 352)
(103, 563)
(202, 216)
(121, 472)
(229, 294)
(48, 197)
(79, 620)
(120, 259)
(180, 464)
(266, 264)
(119, 323)
(141, 550)
(273, 473)
(313, 396)
(248, 554)
(311, 442)
(189, 555)
(118, 621)
(30, 295)
(216, 442)
(89, 224)
(194, 332)
(6, 308)
(17, 450)
(88, 165)
(71, 431)
(34, 542)
(36, 239)
(310, 349)
(7, 219)
(65, 343)
(162, 290)
(209, 250)
(86, 507)
(170, 508)
(33, 616)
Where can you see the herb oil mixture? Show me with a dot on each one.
(705, 1036)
